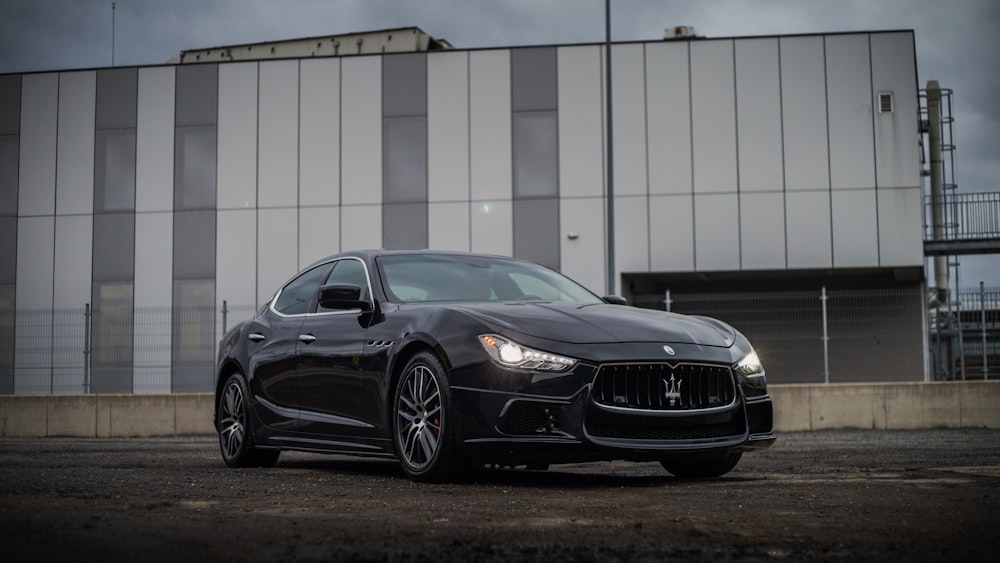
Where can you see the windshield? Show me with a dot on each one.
(442, 277)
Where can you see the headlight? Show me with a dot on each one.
(513, 355)
(750, 366)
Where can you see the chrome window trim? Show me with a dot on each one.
(368, 280)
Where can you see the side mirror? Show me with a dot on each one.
(342, 296)
(614, 300)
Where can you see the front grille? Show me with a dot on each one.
(760, 417)
(662, 387)
(667, 431)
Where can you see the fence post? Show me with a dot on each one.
(982, 323)
(86, 348)
(225, 313)
(826, 339)
(666, 300)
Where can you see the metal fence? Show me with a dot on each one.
(965, 335)
(841, 335)
(114, 349)
(801, 336)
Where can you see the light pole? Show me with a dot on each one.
(610, 168)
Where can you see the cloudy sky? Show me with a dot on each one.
(957, 41)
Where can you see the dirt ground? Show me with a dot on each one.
(841, 496)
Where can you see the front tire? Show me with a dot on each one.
(422, 423)
(235, 434)
(703, 467)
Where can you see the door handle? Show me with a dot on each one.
(256, 336)
(307, 338)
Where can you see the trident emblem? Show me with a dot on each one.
(673, 390)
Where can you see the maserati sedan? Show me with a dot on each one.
(450, 361)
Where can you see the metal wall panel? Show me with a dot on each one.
(237, 136)
(808, 229)
(9, 149)
(319, 233)
(629, 107)
(716, 232)
(153, 281)
(277, 249)
(897, 152)
(762, 231)
(583, 258)
(581, 121)
(758, 111)
(668, 115)
(855, 228)
(360, 227)
(489, 128)
(278, 137)
(900, 227)
(71, 291)
(493, 227)
(33, 329)
(448, 128)
(803, 95)
(448, 226)
(75, 146)
(361, 132)
(37, 163)
(10, 104)
(849, 99)
(71, 270)
(319, 132)
(235, 267)
(631, 236)
(154, 161)
(713, 111)
(35, 252)
(536, 230)
(671, 233)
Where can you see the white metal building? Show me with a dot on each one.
(159, 192)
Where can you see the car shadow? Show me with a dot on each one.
(575, 476)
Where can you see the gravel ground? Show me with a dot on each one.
(840, 496)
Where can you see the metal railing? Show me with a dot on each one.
(969, 216)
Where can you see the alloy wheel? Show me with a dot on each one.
(233, 420)
(419, 416)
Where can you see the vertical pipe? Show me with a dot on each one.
(610, 150)
(225, 313)
(86, 348)
(826, 339)
(937, 185)
(982, 325)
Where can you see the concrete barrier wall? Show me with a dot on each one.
(796, 408)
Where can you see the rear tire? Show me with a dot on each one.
(422, 422)
(703, 467)
(235, 433)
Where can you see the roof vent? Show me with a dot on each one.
(885, 102)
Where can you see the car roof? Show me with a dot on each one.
(369, 254)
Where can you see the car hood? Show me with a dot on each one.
(600, 323)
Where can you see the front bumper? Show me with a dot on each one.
(524, 418)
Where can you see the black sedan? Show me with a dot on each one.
(449, 361)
